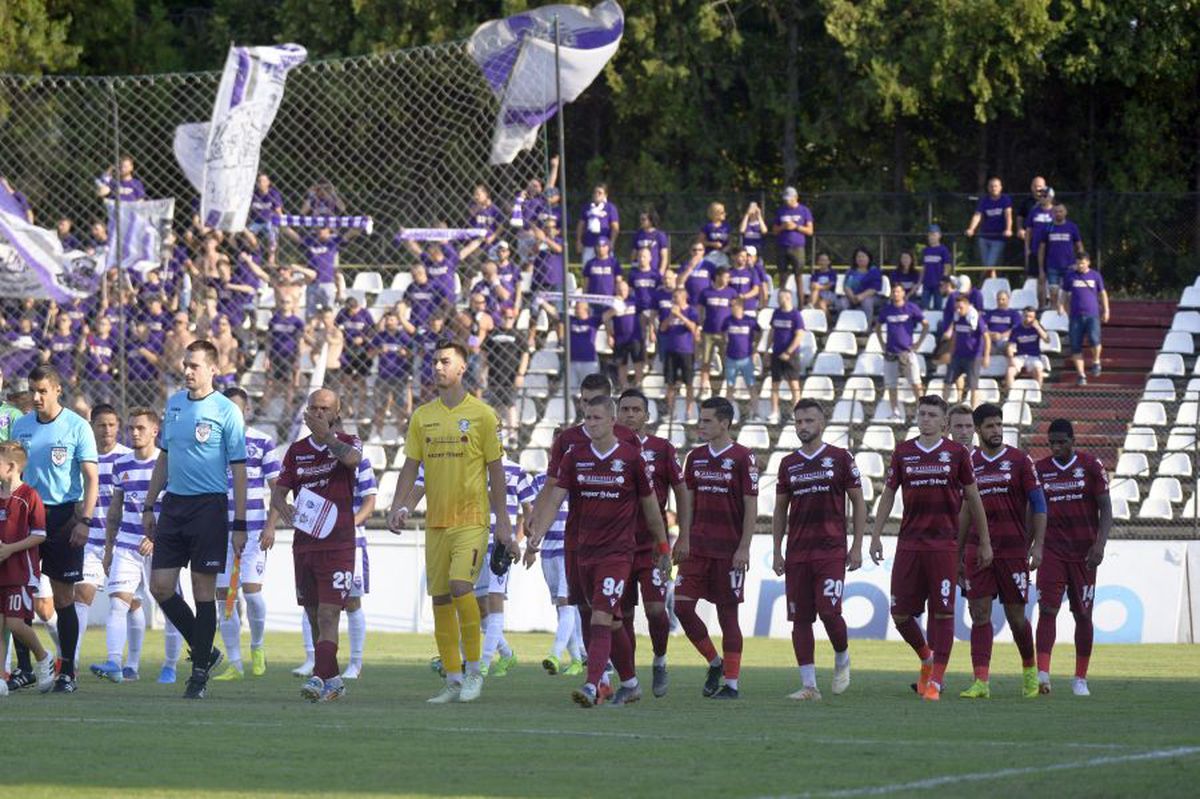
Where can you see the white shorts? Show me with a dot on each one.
(44, 590)
(93, 565)
(127, 575)
(891, 369)
(490, 583)
(1031, 362)
(362, 572)
(253, 565)
(554, 569)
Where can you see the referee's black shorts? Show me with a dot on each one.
(60, 560)
(193, 531)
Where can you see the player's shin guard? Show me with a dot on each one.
(445, 632)
(622, 654)
(694, 629)
(660, 631)
(81, 613)
(205, 631)
(326, 666)
(68, 636)
(599, 651)
(117, 628)
(835, 628)
(981, 649)
(910, 631)
(1047, 631)
(1084, 635)
(136, 624)
(803, 643)
(181, 616)
(256, 616)
(943, 642)
(468, 622)
(357, 622)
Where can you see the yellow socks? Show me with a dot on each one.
(445, 632)
(468, 622)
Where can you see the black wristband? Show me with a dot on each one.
(238, 526)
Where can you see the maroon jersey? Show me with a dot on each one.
(816, 487)
(1005, 483)
(662, 463)
(605, 491)
(720, 483)
(1072, 490)
(933, 482)
(21, 515)
(307, 465)
(563, 443)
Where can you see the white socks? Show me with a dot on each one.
(135, 637)
(493, 625)
(564, 634)
(307, 633)
(357, 622)
(575, 645)
(256, 615)
(808, 675)
(231, 634)
(81, 610)
(841, 659)
(117, 628)
(172, 645)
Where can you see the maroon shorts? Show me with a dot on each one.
(924, 576)
(1007, 578)
(713, 579)
(644, 579)
(1056, 576)
(577, 593)
(16, 602)
(324, 576)
(814, 588)
(605, 581)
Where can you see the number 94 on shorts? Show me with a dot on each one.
(324, 576)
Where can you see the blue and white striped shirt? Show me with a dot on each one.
(552, 544)
(96, 524)
(132, 478)
(262, 466)
(364, 486)
(518, 491)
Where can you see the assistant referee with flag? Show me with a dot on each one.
(203, 436)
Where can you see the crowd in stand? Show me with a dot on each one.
(704, 314)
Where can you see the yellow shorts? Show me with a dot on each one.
(453, 553)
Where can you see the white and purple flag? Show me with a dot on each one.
(142, 227)
(249, 96)
(32, 262)
(516, 56)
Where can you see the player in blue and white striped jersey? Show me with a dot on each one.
(262, 468)
(491, 589)
(363, 505)
(568, 635)
(106, 425)
(127, 550)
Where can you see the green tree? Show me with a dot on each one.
(34, 38)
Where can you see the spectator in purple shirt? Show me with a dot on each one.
(963, 286)
(793, 224)
(1037, 221)
(936, 261)
(1058, 248)
(649, 236)
(970, 345)
(424, 300)
(551, 209)
(1000, 321)
(548, 263)
(753, 228)
(98, 348)
(624, 325)
(598, 219)
(745, 280)
(601, 270)
(131, 189)
(492, 288)
(1089, 309)
(644, 284)
(393, 349)
(484, 214)
(582, 327)
(741, 335)
(715, 232)
(695, 274)
(678, 332)
(906, 275)
(993, 221)
(510, 277)
(358, 327)
(66, 236)
(156, 315)
(285, 332)
(894, 328)
(822, 284)
(787, 334)
(863, 283)
(142, 356)
(322, 199)
(321, 255)
(265, 202)
(441, 260)
(1025, 349)
(59, 350)
(714, 310)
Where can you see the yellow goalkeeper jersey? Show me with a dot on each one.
(455, 445)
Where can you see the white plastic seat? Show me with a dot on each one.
(1140, 439)
(879, 437)
(537, 385)
(673, 433)
(842, 342)
(388, 435)
(766, 496)
(853, 321)
(1186, 415)
(1017, 414)
(870, 465)
(1053, 320)
(838, 436)
(754, 436)
(399, 458)
(1186, 322)
(401, 281)
(1026, 390)
(542, 436)
(1012, 437)
(534, 461)
(1168, 364)
(555, 413)
(1178, 341)
(868, 490)
(376, 454)
(1175, 464)
(869, 363)
(815, 320)
(1192, 392)
(1134, 464)
(546, 362)
(1054, 344)
(883, 413)
(818, 387)
(1189, 508)
(774, 462)
(848, 412)
(989, 389)
(1156, 508)
(1120, 510)
(828, 363)
(1125, 488)
(1151, 414)
(1190, 298)
(387, 298)
(1023, 298)
(1181, 438)
(873, 345)
(859, 387)
(808, 350)
(527, 412)
(1161, 389)
(1167, 488)
(788, 440)
(370, 282)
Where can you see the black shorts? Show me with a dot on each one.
(501, 395)
(61, 561)
(356, 364)
(193, 531)
(629, 352)
(788, 370)
(678, 367)
(282, 369)
(791, 261)
(391, 385)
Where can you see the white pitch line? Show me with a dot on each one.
(987, 776)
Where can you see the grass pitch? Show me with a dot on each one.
(1137, 735)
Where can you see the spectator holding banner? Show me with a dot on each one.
(993, 222)
(1089, 309)
(599, 219)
